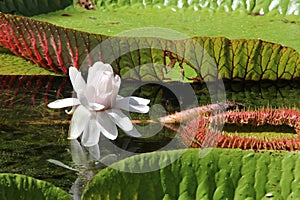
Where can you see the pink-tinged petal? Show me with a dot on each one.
(79, 121)
(91, 133)
(78, 155)
(104, 86)
(108, 127)
(105, 90)
(90, 93)
(100, 66)
(120, 119)
(133, 104)
(133, 132)
(97, 69)
(99, 76)
(76, 79)
(62, 103)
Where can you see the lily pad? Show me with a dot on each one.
(257, 46)
(32, 7)
(149, 59)
(14, 65)
(200, 174)
(15, 186)
(273, 21)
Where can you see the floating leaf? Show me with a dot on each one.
(14, 186)
(263, 129)
(14, 65)
(200, 174)
(32, 7)
(57, 48)
(204, 111)
(247, 19)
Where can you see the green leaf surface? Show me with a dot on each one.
(150, 59)
(14, 65)
(201, 174)
(33, 7)
(15, 186)
(273, 20)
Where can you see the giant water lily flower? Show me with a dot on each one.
(96, 109)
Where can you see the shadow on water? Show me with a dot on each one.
(30, 133)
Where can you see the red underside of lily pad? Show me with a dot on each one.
(200, 133)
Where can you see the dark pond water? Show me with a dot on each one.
(30, 133)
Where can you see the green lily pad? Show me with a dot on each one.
(15, 186)
(57, 47)
(14, 65)
(273, 21)
(32, 7)
(148, 58)
(200, 174)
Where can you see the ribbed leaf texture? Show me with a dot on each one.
(15, 186)
(252, 6)
(201, 174)
(57, 48)
(32, 7)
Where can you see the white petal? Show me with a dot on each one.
(78, 155)
(62, 103)
(139, 108)
(96, 106)
(133, 100)
(97, 68)
(138, 100)
(120, 119)
(108, 127)
(85, 102)
(104, 86)
(76, 79)
(96, 73)
(100, 66)
(133, 132)
(91, 133)
(79, 121)
(90, 93)
(115, 91)
(133, 104)
(82, 98)
(119, 97)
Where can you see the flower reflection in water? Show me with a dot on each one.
(87, 163)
